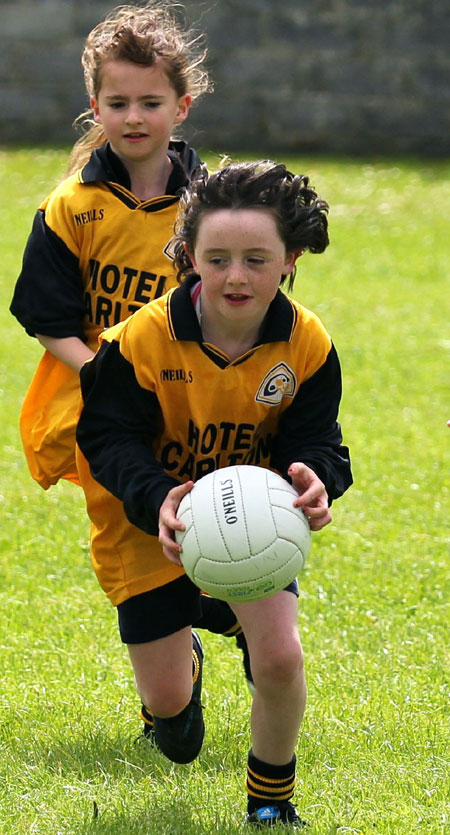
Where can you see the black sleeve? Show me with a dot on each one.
(115, 432)
(309, 432)
(49, 297)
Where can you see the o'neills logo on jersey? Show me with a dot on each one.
(279, 382)
(88, 216)
(174, 375)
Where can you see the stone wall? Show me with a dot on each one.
(347, 76)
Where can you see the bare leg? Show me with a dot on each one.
(163, 672)
(271, 630)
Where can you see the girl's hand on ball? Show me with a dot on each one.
(312, 496)
(168, 522)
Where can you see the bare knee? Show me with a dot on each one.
(278, 667)
(166, 698)
(163, 673)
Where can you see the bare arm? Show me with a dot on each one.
(70, 349)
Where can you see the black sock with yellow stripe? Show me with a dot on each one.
(268, 785)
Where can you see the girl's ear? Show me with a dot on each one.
(184, 103)
(291, 258)
(190, 255)
(94, 104)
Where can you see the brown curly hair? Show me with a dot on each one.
(300, 215)
(142, 35)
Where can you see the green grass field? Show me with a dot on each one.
(374, 752)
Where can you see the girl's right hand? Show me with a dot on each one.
(168, 522)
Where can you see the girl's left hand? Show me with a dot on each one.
(168, 522)
(312, 496)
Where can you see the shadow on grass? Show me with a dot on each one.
(91, 756)
(167, 819)
(120, 774)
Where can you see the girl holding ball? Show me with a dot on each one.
(192, 365)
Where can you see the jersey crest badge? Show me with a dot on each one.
(279, 382)
(169, 250)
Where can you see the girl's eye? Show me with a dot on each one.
(217, 260)
(116, 105)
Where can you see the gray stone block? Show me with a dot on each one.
(357, 76)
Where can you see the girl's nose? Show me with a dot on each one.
(134, 115)
(237, 274)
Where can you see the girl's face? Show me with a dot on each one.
(138, 109)
(240, 257)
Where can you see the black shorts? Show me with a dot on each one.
(163, 611)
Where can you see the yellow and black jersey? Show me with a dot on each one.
(162, 407)
(95, 255)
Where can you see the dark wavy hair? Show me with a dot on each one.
(300, 215)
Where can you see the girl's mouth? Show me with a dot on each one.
(236, 297)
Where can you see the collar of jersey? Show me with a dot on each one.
(184, 324)
(105, 166)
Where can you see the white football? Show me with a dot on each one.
(244, 539)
